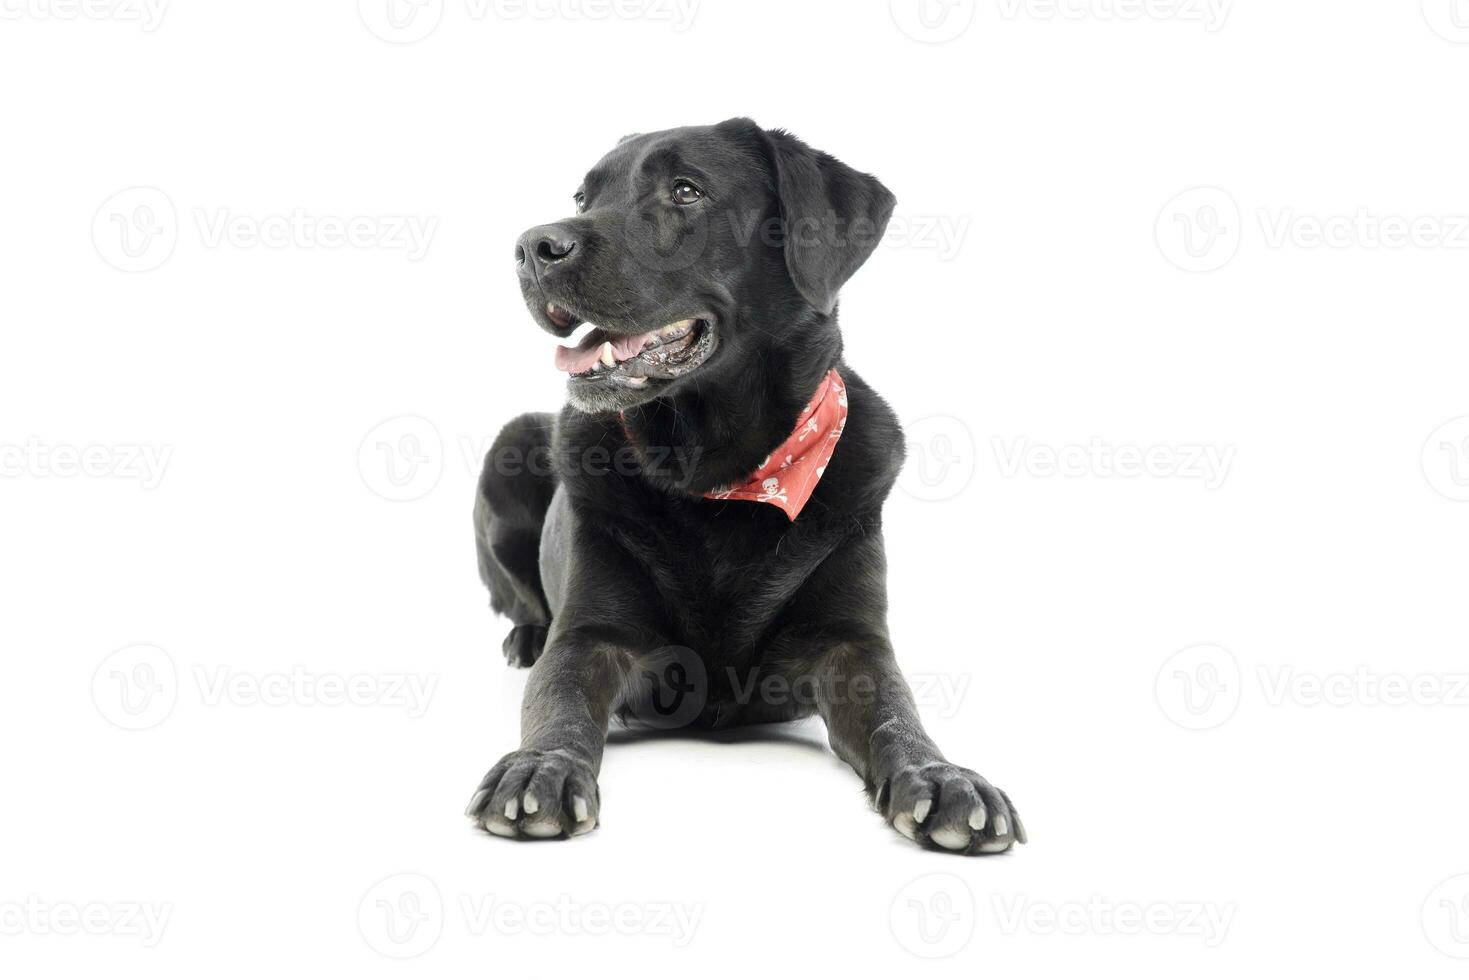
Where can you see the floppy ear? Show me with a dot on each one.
(832, 216)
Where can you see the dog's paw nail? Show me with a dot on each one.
(512, 809)
(475, 802)
(531, 804)
(977, 817)
(920, 810)
(950, 838)
(994, 846)
(905, 825)
(498, 827)
(543, 828)
(1002, 826)
(579, 809)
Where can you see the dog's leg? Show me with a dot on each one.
(515, 489)
(548, 787)
(874, 727)
(872, 720)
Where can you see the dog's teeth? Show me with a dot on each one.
(607, 357)
(976, 818)
(637, 382)
(531, 804)
(920, 810)
(551, 308)
(678, 327)
(579, 808)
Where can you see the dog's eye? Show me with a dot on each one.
(580, 198)
(686, 193)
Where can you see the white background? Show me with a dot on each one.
(1113, 644)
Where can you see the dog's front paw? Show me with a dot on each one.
(945, 807)
(537, 794)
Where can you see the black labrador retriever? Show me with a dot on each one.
(695, 541)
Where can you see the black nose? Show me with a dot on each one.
(545, 249)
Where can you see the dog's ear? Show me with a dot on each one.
(832, 216)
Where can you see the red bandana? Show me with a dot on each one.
(788, 476)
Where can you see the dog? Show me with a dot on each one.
(695, 540)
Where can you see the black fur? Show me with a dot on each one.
(631, 592)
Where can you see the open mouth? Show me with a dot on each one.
(664, 354)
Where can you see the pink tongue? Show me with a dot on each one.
(579, 359)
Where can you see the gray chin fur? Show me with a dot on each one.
(603, 397)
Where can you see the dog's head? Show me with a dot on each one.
(690, 250)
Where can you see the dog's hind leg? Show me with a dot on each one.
(515, 489)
